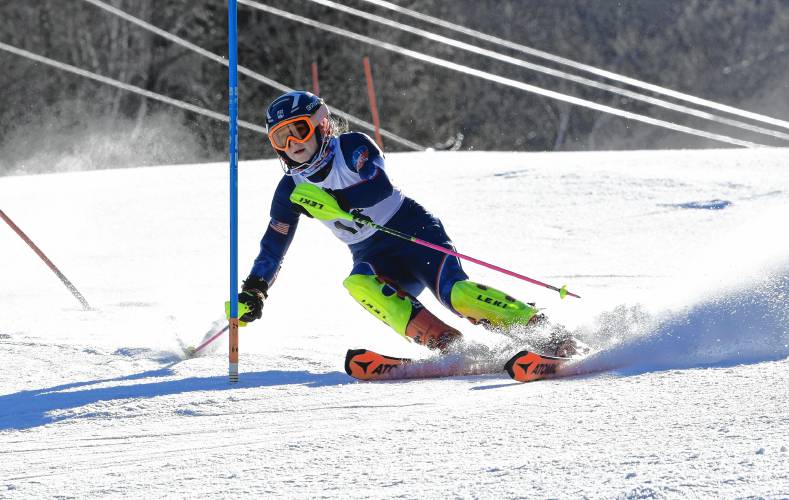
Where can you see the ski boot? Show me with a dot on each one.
(561, 343)
(402, 312)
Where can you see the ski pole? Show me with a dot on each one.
(46, 260)
(323, 206)
(212, 335)
(192, 351)
(562, 291)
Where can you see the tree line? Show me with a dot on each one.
(732, 51)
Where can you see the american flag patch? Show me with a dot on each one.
(279, 227)
(359, 157)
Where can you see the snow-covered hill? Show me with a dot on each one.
(681, 257)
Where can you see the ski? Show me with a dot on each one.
(368, 365)
(363, 364)
(527, 366)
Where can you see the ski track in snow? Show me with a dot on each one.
(681, 258)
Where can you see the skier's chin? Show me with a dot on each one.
(300, 156)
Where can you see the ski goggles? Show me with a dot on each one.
(299, 129)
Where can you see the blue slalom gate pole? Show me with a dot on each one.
(232, 42)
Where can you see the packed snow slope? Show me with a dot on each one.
(681, 259)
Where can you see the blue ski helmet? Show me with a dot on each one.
(298, 104)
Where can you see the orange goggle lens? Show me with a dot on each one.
(299, 129)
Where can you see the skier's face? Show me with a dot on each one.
(301, 152)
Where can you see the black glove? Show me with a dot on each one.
(359, 217)
(298, 208)
(253, 294)
(342, 201)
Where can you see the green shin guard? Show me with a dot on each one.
(381, 300)
(483, 304)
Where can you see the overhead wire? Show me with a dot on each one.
(549, 71)
(243, 70)
(364, 39)
(125, 86)
(634, 82)
(497, 79)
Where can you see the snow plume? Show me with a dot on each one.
(744, 325)
(748, 323)
(69, 139)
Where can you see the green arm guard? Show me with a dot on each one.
(318, 202)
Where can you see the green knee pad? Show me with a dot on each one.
(483, 303)
(381, 300)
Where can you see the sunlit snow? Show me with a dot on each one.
(681, 259)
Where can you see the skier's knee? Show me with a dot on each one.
(483, 304)
(402, 312)
(382, 299)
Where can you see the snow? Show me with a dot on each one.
(681, 257)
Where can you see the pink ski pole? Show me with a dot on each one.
(191, 351)
(323, 206)
(562, 291)
(212, 335)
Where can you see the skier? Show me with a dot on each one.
(388, 273)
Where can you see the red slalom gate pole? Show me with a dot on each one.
(315, 88)
(368, 74)
(46, 260)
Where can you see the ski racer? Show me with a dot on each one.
(387, 273)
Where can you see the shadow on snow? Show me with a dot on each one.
(27, 409)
